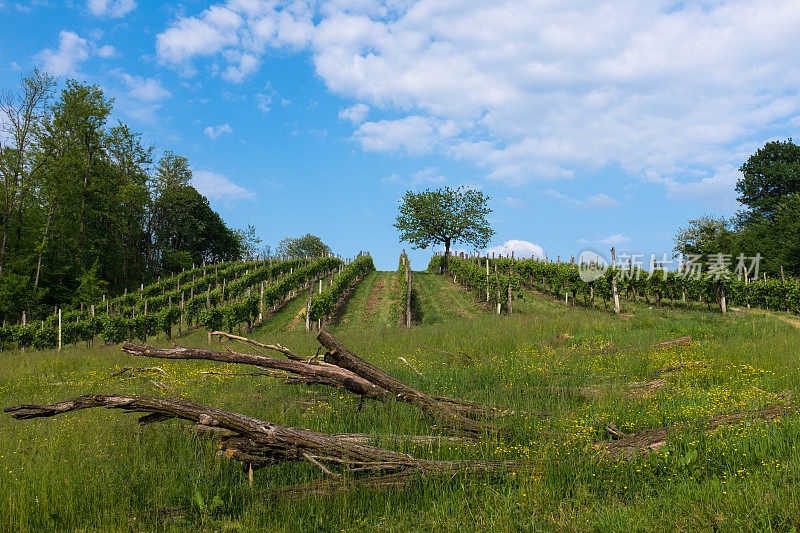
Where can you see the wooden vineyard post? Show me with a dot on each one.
(261, 304)
(308, 306)
(510, 277)
(487, 279)
(614, 280)
(722, 302)
(59, 330)
(497, 282)
(408, 292)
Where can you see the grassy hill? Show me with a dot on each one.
(97, 470)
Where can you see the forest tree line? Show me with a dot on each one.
(86, 208)
(769, 221)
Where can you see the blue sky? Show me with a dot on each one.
(589, 123)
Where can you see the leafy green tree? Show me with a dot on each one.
(90, 287)
(248, 242)
(81, 115)
(706, 235)
(14, 296)
(307, 245)
(444, 216)
(173, 171)
(185, 222)
(768, 177)
(23, 114)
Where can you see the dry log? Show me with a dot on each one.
(654, 438)
(145, 370)
(277, 347)
(680, 341)
(261, 443)
(307, 373)
(451, 413)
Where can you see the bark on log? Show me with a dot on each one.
(260, 443)
(680, 341)
(449, 412)
(308, 373)
(654, 438)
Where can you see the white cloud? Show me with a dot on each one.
(515, 202)
(619, 238)
(144, 89)
(206, 35)
(414, 135)
(427, 176)
(265, 97)
(214, 132)
(71, 52)
(218, 187)
(106, 51)
(355, 114)
(111, 8)
(535, 89)
(716, 191)
(520, 249)
(594, 201)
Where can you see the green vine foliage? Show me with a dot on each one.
(659, 285)
(239, 305)
(322, 304)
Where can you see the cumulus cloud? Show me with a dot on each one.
(594, 201)
(111, 8)
(619, 238)
(218, 187)
(214, 132)
(415, 135)
(147, 90)
(239, 30)
(355, 114)
(520, 249)
(71, 52)
(531, 89)
(514, 202)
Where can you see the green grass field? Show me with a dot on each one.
(97, 470)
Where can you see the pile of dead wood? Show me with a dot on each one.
(258, 443)
(352, 459)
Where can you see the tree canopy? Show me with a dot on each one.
(769, 177)
(444, 216)
(83, 208)
(769, 224)
(307, 245)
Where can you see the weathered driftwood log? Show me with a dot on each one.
(260, 443)
(305, 372)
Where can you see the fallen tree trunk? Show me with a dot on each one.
(654, 438)
(451, 413)
(305, 372)
(260, 443)
(366, 380)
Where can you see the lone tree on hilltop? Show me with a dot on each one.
(444, 216)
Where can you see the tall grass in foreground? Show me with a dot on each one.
(97, 470)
